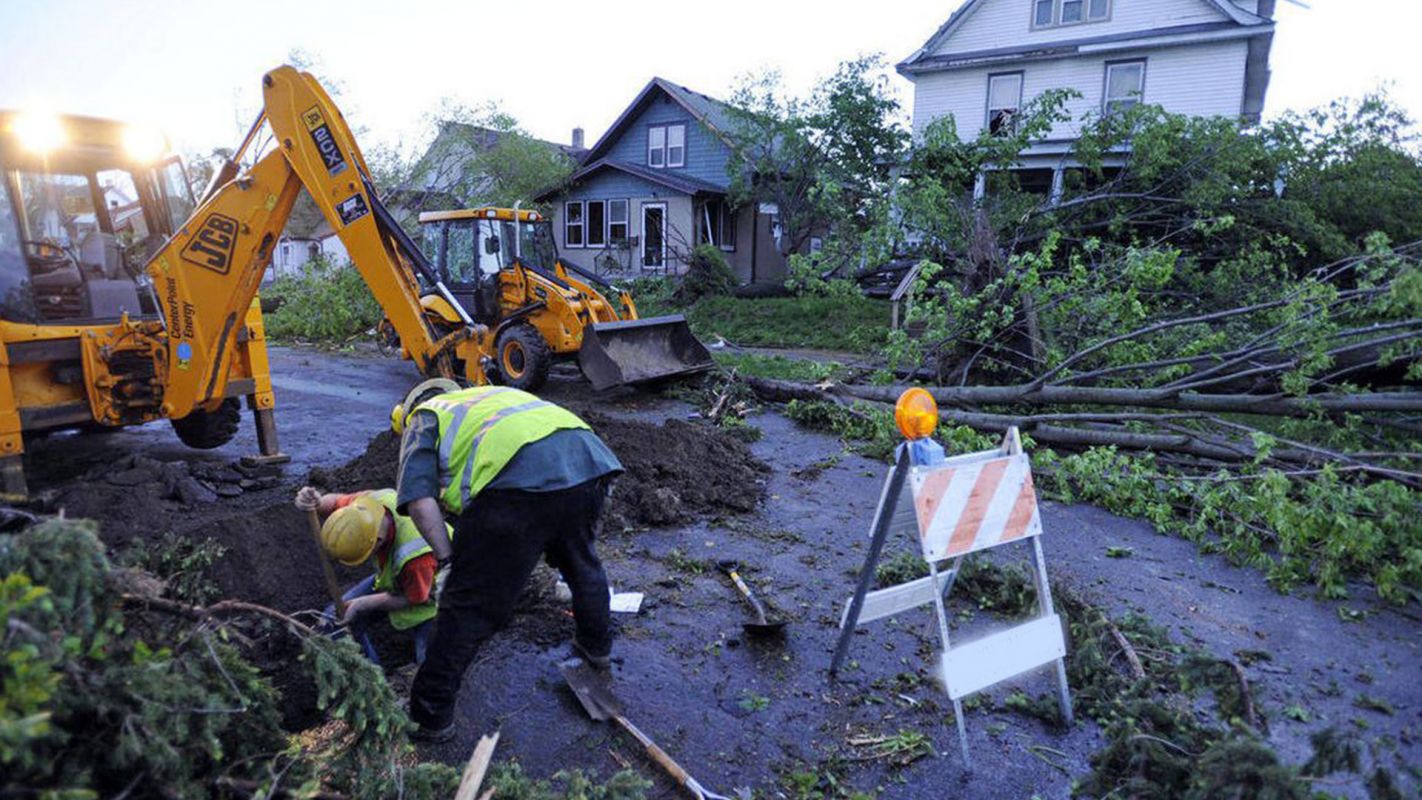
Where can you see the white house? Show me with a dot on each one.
(1197, 57)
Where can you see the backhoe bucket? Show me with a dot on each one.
(641, 350)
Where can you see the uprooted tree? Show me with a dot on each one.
(1214, 320)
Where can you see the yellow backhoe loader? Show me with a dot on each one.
(503, 268)
(124, 300)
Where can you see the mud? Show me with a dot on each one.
(675, 472)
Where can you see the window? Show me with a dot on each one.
(666, 146)
(1125, 83)
(573, 224)
(657, 146)
(1050, 13)
(1044, 13)
(459, 257)
(717, 225)
(1004, 101)
(617, 221)
(597, 223)
(676, 145)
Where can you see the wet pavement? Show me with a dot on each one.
(739, 712)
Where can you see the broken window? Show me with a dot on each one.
(718, 224)
(1004, 101)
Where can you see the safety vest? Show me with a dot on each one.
(480, 431)
(408, 544)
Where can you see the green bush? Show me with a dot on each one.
(326, 303)
(707, 275)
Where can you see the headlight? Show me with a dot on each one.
(144, 144)
(39, 132)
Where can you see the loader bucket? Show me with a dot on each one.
(641, 350)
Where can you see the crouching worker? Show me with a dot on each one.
(359, 526)
(522, 479)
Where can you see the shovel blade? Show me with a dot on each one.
(591, 689)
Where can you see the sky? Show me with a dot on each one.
(193, 67)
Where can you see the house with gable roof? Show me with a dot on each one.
(1195, 57)
(655, 186)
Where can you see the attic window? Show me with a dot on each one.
(1051, 13)
(666, 146)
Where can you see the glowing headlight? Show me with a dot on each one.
(144, 144)
(39, 132)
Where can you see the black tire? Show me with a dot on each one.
(205, 430)
(523, 357)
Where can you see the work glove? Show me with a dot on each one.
(308, 498)
(441, 575)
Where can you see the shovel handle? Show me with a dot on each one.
(745, 590)
(332, 588)
(657, 754)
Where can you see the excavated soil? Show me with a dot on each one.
(675, 472)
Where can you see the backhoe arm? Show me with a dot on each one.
(208, 273)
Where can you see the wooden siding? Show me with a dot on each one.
(706, 154)
(1008, 23)
(1201, 80)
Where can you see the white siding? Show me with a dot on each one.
(1200, 80)
(1008, 23)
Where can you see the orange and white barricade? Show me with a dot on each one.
(953, 508)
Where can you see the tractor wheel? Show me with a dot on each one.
(523, 357)
(205, 430)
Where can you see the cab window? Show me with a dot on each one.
(459, 253)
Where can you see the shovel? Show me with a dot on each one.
(762, 626)
(602, 705)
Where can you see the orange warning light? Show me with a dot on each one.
(916, 414)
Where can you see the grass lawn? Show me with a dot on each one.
(820, 323)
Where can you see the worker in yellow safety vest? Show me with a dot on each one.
(365, 525)
(522, 479)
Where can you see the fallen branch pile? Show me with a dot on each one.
(1310, 402)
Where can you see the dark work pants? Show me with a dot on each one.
(497, 543)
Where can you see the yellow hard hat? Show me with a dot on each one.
(349, 535)
(430, 388)
(916, 414)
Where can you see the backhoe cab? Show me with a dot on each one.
(84, 204)
(503, 269)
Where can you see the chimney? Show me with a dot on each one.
(577, 138)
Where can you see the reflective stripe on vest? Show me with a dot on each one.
(481, 430)
(409, 544)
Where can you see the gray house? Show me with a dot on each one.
(655, 186)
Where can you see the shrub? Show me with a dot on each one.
(326, 303)
(708, 275)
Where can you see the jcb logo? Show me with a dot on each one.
(312, 118)
(214, 244)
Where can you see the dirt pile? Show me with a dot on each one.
(676, 471)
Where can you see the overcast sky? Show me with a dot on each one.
(193, 67)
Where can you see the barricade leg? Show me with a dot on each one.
(1044, 591)
(942, 613)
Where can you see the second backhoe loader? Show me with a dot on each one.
(503, 268)
(123, 301)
